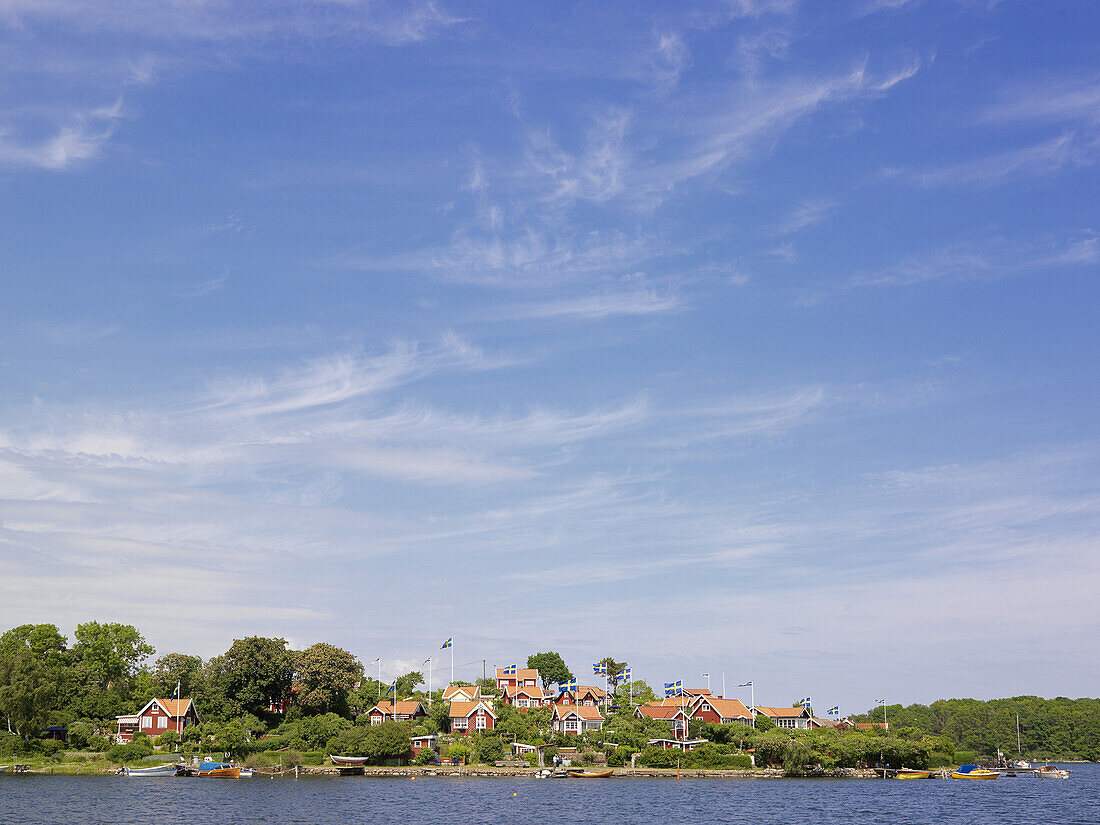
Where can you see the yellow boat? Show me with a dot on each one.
(910, 773)
(973, 772)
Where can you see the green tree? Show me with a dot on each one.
(24, 692)
(177, 668)
(109, 653)
(253, 673)
(407, 684)
(327, 675)
(390, 740)
(551, 666)
(614, 671)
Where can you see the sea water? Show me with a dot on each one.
(91, 800)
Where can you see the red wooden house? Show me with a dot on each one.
(527, 697)
(675, 715)
(720, 711)
(406, 709)
(471, 716)
(583, 695)
(157, 717)
(524, 676)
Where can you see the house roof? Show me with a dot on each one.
(726, 708)
(597, 692)
(405, 707)
(522, 673)
(473, 691)
(661, 712)
(866, 725)
(464, 709)
(784, 713)
(590, 713)
(697, 691)
(534, 692)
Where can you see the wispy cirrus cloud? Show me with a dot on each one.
(58, 140)
(1040, 159)
(598, 307)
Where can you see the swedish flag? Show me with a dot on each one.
(392, 688)
(447, 643)
(704, 675)
(834, 710)
(744, 684)
(566, 687)
(176, 693)
(626, 674)
(510, 670)
(598, 668)
(805, 703)
(674, 688)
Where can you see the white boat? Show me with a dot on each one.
(1051, 772)
(246, 773)
(158, 770)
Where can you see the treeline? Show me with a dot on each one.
(1049, 728)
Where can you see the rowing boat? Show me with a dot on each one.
(911, 773)
(219, 769)
(349, 760)
(159, 770)
(591, 774)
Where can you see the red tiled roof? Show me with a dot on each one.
(522, 673)
(782, 713)
(661, 712)
(465, 709)
(405, 707)
(587, 712)
(468, 690)
(726, 708)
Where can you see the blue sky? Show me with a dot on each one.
(737, 337)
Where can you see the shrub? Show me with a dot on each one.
(259, 760)
(51, 747)
(459, 751)
(291, 758)
(98, 743)
(425, 757)
(313, 758)
(132, 752)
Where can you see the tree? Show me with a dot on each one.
(24, 692)
(614, 671)
(407, 684)
(551, 667)
(390, 740)
(254, 673)
(327, 675)
(109, 653)
(177, 668)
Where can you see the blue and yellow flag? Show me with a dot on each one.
(834, 710)
(176, 694)
(567, 687)
(447, 643)
(805, 703)
(744, 684)
(392, 688)
(705, 675)
(626, 674)
(674, 688)
(510, 670)
(597, 668)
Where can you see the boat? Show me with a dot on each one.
(1051, 772)
(911, 773)
(349, 760)
(974, 772)
(591, 774)
(158, 770)
(219, 769)
(246, 773)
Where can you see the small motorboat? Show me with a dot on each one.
(219, 769)
(911, 773)
(349, 760)
(158, 770)
(974, 772)
(591, 774)
(246, 773)
(1051, 772)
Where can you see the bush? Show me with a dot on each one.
(425, 757)
(459, 751)
(132, 752)
(291, 758)
(98, 743)
(51, 747)
(259, 760)
(313, 758)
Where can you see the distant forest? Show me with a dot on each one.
(1066, 728)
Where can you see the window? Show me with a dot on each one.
(147, 721)
(571, 725)
(522, 701)
(481, 721)
(459, 724)
(704, 707)
(376, 720)
(162, 723)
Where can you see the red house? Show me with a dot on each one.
(471, 716)
(583, 695)
(675, 715)
(720, 711)
(406, 709)
(157, 717)
(527, 697)
(461, 693)
(525, 676)
(420, 743)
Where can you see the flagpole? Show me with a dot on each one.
(723, 686)
(429, 681)
(452, 660)
(752, 698)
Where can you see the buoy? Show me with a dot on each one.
(513, 794)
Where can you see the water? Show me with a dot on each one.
(44, 800)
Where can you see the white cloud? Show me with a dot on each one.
(1039, 159)
(598, 307)
(75, 137)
